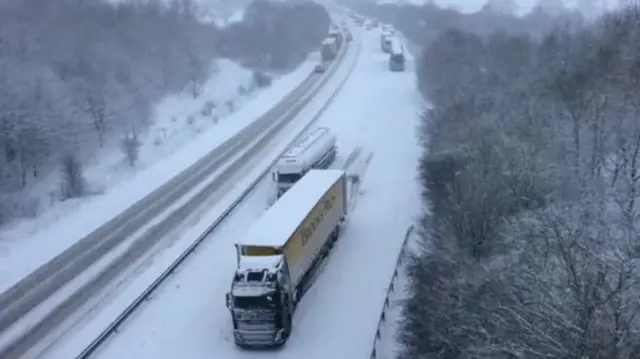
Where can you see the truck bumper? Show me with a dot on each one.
(256, 339)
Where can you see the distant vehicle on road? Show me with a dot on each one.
(329, 49)
(396, 57)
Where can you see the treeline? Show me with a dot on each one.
(423, 23)
(531, 173)
(278, 35)
(77, 75)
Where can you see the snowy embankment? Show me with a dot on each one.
(184, 129)
(337, 318)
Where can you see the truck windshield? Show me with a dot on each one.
(255, 302)
(289, 177)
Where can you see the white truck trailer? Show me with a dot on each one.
(278, 257)
(386, 42)
(315, 150)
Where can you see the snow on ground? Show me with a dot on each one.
(181, 135)
(129, 286)
(337, 318)
(388, 345)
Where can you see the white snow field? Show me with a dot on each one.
(181, 135)
(337, 318)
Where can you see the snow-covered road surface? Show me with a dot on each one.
(337, 318)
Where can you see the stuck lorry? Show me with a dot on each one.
(278, 257)
(316, 150)
(329, 49)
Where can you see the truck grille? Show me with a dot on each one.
(256, 328)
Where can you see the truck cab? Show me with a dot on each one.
(316, 150)
(259, 303)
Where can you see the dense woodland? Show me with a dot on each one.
(531, 173)
(78, 75)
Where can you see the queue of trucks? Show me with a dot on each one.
(278, 257)
(392, 46)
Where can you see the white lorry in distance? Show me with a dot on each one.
(329, 49)
(386, 42)
(316, 150)
(396, 57)
(279, 256)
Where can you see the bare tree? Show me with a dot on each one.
(73, 182)
(131, 147)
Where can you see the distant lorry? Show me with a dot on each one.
(386, 42)
(396, 58)
(278, 258)
(316, 150)
(338, 36)
(329, 49)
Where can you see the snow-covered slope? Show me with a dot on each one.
(184, 130)
(377, 109)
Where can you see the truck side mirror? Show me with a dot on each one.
(228, 301)
(273, 176)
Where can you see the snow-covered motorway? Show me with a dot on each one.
(182, 197)
(337, 318)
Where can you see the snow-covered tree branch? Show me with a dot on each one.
(530, 172)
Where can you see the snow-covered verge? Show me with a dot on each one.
(182, 133)
(385, 343)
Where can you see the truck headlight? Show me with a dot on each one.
(278, 337)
